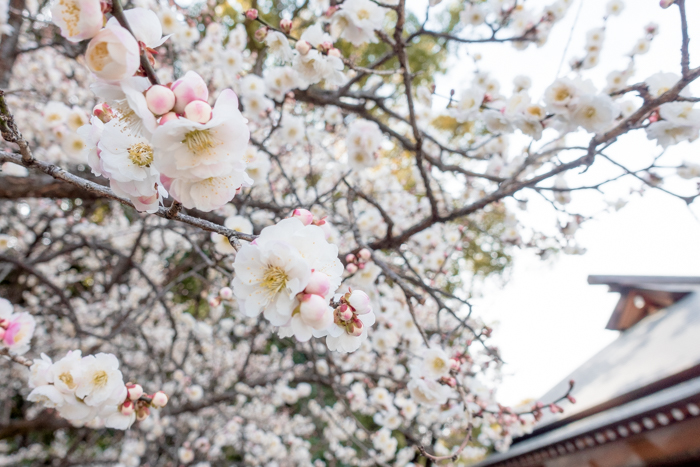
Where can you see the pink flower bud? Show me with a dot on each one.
(215, 301)
(304, 216)
(127, 408)
(226, 293)
(351, 268)
(169, 117)
(360, 302)
(350, 258)
(190, 87)
(142, 413)
(451, 382)
(325, 46)
(303, 47)
(160, 99)
(335, 53)
(198, 111)
(666, 3)
(251, 14)
(361, 265)
(286, 25)
(134, 391)
(159, 400)
(344, 313)
(318, 284)
(315, 311)
(261, 34)
(454, 364)
(365, 254)
(2, 333)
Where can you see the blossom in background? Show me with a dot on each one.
(356, 21)
(78, 19)
(16, 329)
(362, 142)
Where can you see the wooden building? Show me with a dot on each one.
(638, 399)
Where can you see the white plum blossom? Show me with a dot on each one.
(428, 392)
(594, 113)
(277, 266)
(113, 53)
(16, 329)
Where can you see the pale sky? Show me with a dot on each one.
(550, 319)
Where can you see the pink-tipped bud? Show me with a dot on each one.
(360, 302)
(351, 268)
(127, 408)
(190, 87)
(303, 47)
(160, 99)
(226, 293)
(451, 382)
(344, 312)
(134, 391)
(350, 258)
(304, 215)
(261, 34)
(666, 3)
(286, 25)
(571, 399)
(198, 111)
(325, 46)
(335, 53)
(159, 400)
(365, 254)
(215, 301)
(315, 311)
(252, 14)
(361, 265)
(454, 364)
(169, 117)
(318, 284)
(142, 413)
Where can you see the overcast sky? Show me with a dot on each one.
(550, 319)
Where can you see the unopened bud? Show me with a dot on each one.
(134, 391)
(344, 313)
(360, 302)
(450, 381)
(103, 112)
(127, 408)
(198, 111)
(159, 400)
(252, 14)
(215, 301)
(142, 413)
(261, 34)
(335, 53)
(319, 284)
(351, 268)
(350, 258)
(666, 3)
(303, 47)
(355, 328)
(571, 399)
(169, 117)
(304, 215)
(160, 99)
(454, 364)
(226, 293)
(286, 25)
(365, 254)
(325, 46)
(315, 311)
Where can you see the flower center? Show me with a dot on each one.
(363, 14)
(67, 379)
(438, 364)
(274, 280)
(199, 140)
(99, 379)
(70, 13)
(141, 154)
(590, 112)
(99, 55)
(562, 94)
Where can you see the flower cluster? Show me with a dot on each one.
(90, 390)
